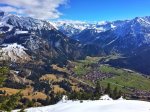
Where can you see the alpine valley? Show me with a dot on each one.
(51, 58)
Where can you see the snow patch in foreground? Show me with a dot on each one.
(96, 106)
(105, 97)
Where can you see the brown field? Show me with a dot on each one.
(60, 69)
(51, 77)
(27, 93)
(75, 88)
(57, 89)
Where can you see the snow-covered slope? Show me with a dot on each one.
(14, 52)
(35, 36)
(138, 27)
(123, 37)
(10, 21)
(28, 40)
(70, 28)
(96, 106)
(73, 28)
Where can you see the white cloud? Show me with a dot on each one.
(8, 9)
(42, 9)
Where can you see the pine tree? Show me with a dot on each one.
(119, 94)
(7, 103)
(115, 93)
(48, 100)
(98, 90)
(108, 90)
(3, 72)
(10, 103)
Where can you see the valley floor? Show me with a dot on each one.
(95, 106)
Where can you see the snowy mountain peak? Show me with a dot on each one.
(143, 20)
(102, 23)
(73, 28)
(13, 21)
(70, 28)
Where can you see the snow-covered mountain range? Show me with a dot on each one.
(27, 39)
(73, 28)
(70, 28)
(26, 23)
(130, 38)
(138, 25)
(120, 35)
(33, 42)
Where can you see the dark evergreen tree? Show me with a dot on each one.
(3, 74)
(115, 93)
(119, 94)
(108, 90)
(10, 103)
(98, 90)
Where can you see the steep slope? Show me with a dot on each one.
(121, 36)
(32, 42)
(128, 37)
(118, 36)
(35, 51)
(139, 62)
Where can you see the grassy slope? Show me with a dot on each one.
(123, 78)
(81, 66)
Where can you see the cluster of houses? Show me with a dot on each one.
(140, 94)
(97, 75)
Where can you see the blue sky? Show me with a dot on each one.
(99, 10)
(83, 10)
